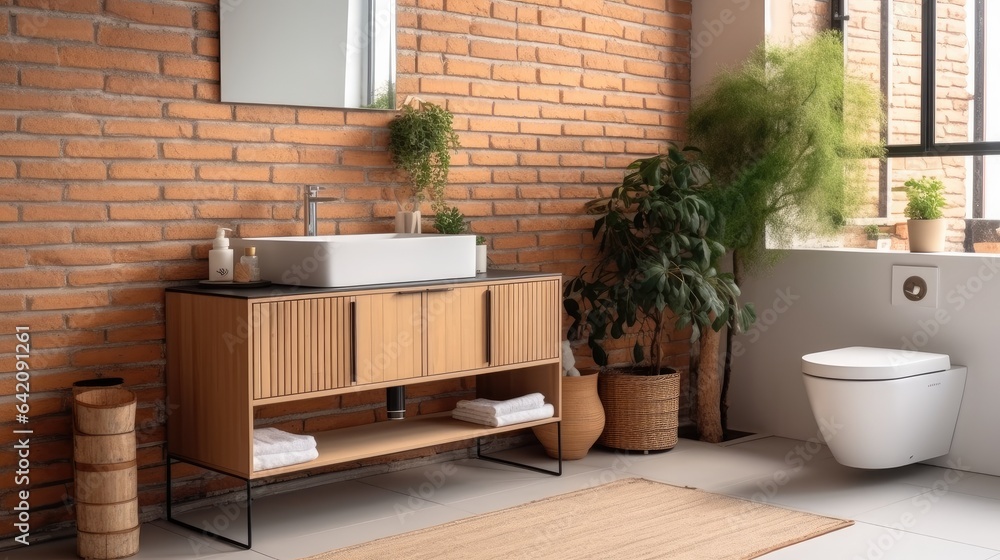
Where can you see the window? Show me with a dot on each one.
(937, 63)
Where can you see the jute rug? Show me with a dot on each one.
(631, 518)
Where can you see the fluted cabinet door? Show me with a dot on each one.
(525, 321)
(301, 346)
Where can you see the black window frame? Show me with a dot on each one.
(929, 146)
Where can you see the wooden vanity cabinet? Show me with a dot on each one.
(231, 350)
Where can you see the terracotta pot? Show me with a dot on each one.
(582, 419)
(926, 236)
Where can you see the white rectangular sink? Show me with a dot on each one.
(335, 261)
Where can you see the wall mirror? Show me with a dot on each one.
(315, 53)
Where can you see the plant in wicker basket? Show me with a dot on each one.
(657, 273)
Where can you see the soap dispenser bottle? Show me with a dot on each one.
(220, 258)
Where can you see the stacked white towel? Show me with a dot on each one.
(503, 413)
(273, 448)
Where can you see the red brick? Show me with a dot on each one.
(496, 51)
(186, 68)
(29, 148)
(130, 38)
(206, 20)
(266, 154)
(12, 302)
(148, 212)
(207, 46)
(55, 28)
(192, 110)
(323, 136)
(63, 212)
(13, 258)
(28, 52)
(263, 114)
(232, 211)
(61, 79)
(24, 279)
(561, 57)
(528, 93)
(116, 234)
(197, 151)
(63, 170)
(234, 172)
(154, 129)
(70, 257)
(119, 274)
(153, 87)
(110, 193)
(234, 132)
(495, 30)
(198, 191)
(146, 12)
(117, 107)
(444, 22)
(107, 59)
(321, 116)
(507, 73)
(117, 149)
(314, 175)
(76, 300)
(151, 170)
(129, 354)
(78, 6)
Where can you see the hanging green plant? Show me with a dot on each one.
(420, 141)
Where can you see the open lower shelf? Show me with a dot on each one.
(345, 445)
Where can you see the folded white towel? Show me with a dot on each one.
(271, 441)
(499, 408)
(276, 460)
(545, 411)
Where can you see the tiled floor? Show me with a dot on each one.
(912, 513)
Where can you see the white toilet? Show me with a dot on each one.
(883, 408)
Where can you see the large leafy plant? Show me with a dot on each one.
(420, 141)
(659, 245)
(924, 198)
(786, 137)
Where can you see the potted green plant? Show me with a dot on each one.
(657, 273)
(420, 140)
(450, 221)
(876, 238)
(786, 136)
(925, 225)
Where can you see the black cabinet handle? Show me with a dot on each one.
(354, 343)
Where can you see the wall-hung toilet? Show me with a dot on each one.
(883, 408)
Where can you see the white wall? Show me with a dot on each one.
(815, 300)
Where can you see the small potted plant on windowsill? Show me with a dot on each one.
(925, 225)
(876, 238)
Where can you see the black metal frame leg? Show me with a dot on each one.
(206, 532)
(479, 455)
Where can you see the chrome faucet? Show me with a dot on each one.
(312, 200)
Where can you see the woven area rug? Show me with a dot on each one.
(631, 518)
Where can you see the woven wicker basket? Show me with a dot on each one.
(640, 410)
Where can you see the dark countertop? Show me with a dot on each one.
(277, 290)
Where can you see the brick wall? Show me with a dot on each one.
(117, 163)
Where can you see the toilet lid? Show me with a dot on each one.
(869, 364)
